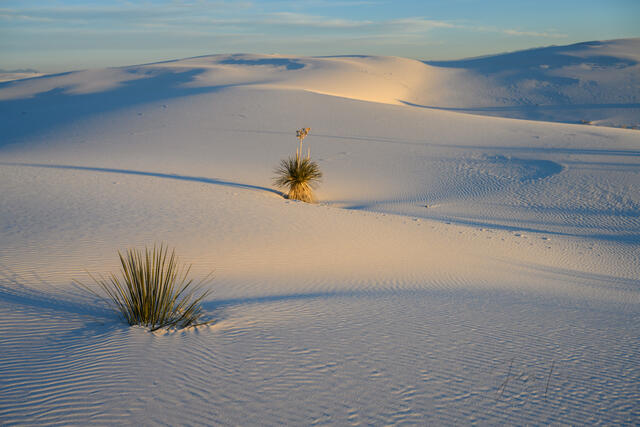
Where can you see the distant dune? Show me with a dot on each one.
(596, 82)
(593, 82)
(9, 75)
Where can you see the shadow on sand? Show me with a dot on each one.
(13, 290)
(27, 116)
(152, 174)
(536, 63)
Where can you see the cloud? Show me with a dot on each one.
(213, 17)
(12, 15)
(422, 25)
(128, 11)
(417, 25)
(533, 34)
(513, 32)
(303, 20)
(337, 3)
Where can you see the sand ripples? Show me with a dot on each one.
(388, 357)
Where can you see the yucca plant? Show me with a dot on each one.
(299, 174)
(153, 290)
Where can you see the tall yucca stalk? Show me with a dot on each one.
(299, 174)
(153, 289)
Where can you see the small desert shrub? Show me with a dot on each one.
(153, 290)
(299, 174)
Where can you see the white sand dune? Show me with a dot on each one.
(458, 268)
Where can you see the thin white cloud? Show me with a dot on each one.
(304, 20)
(336, 3)
(533, 34)
(125, 11)
(14, 15)
(417, 25)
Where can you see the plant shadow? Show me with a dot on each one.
(14, 290)
(205, 180)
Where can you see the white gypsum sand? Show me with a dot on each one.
(458, 268)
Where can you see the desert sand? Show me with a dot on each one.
(474, 255)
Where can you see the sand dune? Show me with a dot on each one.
(594, 82)
(458, 268)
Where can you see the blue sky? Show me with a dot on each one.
(58, 35)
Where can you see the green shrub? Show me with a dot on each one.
(153, 290)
